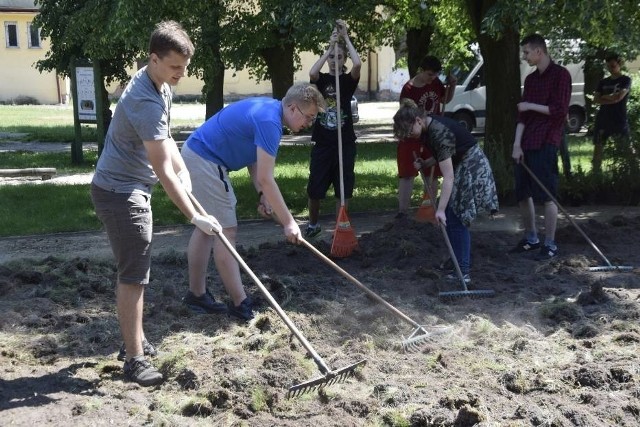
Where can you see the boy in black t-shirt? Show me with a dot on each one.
(324, 166)
(611, 121)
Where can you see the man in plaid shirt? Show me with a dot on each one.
(541, 120)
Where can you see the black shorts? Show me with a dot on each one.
(324, 170)
(544, 165)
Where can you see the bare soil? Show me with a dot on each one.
(556, 346)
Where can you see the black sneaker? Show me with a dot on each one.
(147, 348)
(139, 370)
(311, 232)
(525, 246)
(244, 311)
(547, 253)
(446, 266)
(204, 304)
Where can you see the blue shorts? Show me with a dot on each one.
(128, 222)
(544, 165)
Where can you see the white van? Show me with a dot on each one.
(468, 103)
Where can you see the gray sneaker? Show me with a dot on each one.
(204, 304)
(147, 348)
(454, 277)
(139, 370)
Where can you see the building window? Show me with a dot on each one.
(11, 33)
(34, 35)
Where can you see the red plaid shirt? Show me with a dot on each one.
(553, 89)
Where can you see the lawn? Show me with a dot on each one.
(47, 208)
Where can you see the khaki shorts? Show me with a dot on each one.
(212, 187)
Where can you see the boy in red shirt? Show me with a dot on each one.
(428, 92)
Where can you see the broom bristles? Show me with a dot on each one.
(344, 237)
(426, 211)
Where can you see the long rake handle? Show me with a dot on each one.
(356, 282)
(316, 357)
(566, 214)
(339, 124)
(452, 253)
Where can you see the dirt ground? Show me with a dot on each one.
(557, 345)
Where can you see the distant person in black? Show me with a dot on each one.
(611, 121)
(324, 166)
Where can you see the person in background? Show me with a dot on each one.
(542, 116)
(138, 152)
(611, 121)
(324, 167)
(429, 93)
(468, 187)
(244, 134)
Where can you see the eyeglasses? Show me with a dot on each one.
(310, 118)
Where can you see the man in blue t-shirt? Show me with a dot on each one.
(244, 134)
(612, 94)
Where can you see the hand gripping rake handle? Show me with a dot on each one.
(575, 224)
(329, 376)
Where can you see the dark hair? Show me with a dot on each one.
(405, 117)
(431, 63)
(613, 57)
(535, 40)
(169, 36)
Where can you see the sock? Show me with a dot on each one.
(532, 237)
(551, 244)
(312, 226)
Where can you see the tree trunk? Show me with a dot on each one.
(418, 43)
(502, 79)
(593, 73)
(213, 89)
(280, 67)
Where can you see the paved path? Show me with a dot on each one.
(255, 232)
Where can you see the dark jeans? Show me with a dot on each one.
(460, 240)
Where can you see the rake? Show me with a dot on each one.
(608, 266)
(328, 376)
(465, 292)
(417, 336)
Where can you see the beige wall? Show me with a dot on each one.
(18, 75)
(239, 84)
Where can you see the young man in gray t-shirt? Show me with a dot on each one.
(139, 151)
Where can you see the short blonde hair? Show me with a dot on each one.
(305, 94)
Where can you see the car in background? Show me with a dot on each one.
(468, 105)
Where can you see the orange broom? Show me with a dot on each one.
(344, 236)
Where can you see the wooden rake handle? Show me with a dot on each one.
(356, 282)
(316, 357)
(575, 224)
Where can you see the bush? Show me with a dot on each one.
(25, 100)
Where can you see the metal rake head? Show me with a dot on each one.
(420, 335)
(478, 293)
(611, 268)
(329, 378)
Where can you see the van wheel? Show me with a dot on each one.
(465, 119)
(576, 120)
